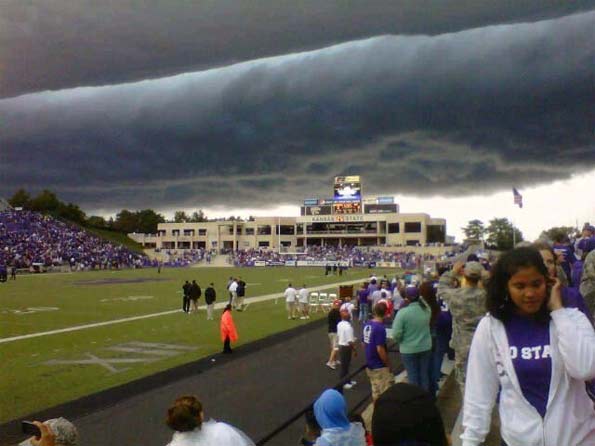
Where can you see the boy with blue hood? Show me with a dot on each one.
(330, 411)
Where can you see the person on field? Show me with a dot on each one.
(241, 292)
(186, 297)
(303, 302)
(290, 301)
(228, 330)
(195, 293)
(186, 418)
(233, 293)
(210, 297)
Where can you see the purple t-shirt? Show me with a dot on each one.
(373, 336)
(529, 343)
(363, 296)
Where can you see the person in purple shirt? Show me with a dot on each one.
(377, 363)
(565, 254)
(534, 351)
(362, 298)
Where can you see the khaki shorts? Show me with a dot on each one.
(380, 380)
(332, 337)
(290, 306)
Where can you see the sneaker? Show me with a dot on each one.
(331, 365)
(289, 318)
(337, 362)
(303, 317)
(353, 383)
(347, 386)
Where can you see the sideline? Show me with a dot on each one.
(248, 300)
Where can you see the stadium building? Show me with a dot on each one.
(345, 219)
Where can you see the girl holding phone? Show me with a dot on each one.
(538, 353)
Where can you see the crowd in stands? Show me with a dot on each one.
(353, 255)
(30, 239)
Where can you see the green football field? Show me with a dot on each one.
(38, 372)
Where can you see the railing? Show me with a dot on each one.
(301, 413)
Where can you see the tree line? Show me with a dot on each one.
(498, 234)
(125, 221)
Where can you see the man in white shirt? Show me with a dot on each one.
(303, 298)
(346, 343)
(290, 301)
(233, 293)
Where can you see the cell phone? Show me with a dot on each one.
(30, 428)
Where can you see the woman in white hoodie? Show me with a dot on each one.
(537, 353)
(186, 417)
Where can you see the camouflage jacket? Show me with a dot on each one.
(587, 287)
(467, 306)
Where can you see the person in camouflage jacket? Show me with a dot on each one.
(467, 305)
(587, 287)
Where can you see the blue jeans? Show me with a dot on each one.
(436, 365)
(363, 312)
(418, 368)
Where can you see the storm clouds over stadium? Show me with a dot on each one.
(179, 106)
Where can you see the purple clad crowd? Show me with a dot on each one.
(30, 239)
(353, 255)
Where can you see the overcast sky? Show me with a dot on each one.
(229, 107)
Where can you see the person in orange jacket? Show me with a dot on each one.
(228, 329)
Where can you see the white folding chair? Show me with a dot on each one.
(324, 302)
(313, 302)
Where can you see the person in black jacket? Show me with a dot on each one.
(186, 297)
(195, 293)
(241, 292)
(210, 297)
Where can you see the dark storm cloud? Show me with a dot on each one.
(65, 43)
(457, 113)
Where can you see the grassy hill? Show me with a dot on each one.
(117, 237)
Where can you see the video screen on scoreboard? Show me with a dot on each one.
(354, 207)
(380, 208)
(348, 188)
(319, 210)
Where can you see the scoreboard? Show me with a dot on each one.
(353, 207)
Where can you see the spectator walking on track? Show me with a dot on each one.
(536, 354)
(377, 364)
(210, 297)
(346, 344)
(330, 410)
(228, 330)
(467, 306)
(333, 318)
(186, 418)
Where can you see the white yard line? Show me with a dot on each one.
(163, 313)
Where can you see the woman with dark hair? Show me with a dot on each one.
(186, 418)
(427, 291)
(571, 297)
(537, 353)
(411, 330)
(228, 329)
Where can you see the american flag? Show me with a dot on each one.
(518, 198)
